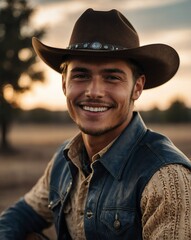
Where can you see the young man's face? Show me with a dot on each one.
(100, 94)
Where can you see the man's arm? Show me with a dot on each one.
(166, 204)
(20, 219)
(30, 214)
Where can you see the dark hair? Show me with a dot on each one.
(63, 67)
(136, 69)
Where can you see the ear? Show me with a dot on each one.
(64, 84)
(138, 87)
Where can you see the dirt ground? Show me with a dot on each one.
(34, 146)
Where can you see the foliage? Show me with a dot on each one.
(176, 113)
(17, 58)
(43, 116)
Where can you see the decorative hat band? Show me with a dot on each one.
(95, 46)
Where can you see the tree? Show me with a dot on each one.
(178, 112)
(17, 59)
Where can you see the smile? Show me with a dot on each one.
(94, 109)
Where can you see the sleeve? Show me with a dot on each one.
(166, 204)
(30, 214)
(20, 219)
(38, 196)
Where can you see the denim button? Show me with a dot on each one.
(117, 224)
(89, 214)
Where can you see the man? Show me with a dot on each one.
(116, 179)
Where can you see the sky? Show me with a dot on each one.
(167, 21)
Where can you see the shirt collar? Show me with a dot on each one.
(74, 147)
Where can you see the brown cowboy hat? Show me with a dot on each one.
(110, 34)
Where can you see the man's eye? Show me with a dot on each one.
(113, 77)
(80, 77)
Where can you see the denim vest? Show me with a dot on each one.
(112, 208)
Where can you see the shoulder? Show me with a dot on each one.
(155, 153)
(170, 183)
(157, 147)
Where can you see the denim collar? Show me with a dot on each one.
(115, 159)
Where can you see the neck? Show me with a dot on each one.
(94, 144)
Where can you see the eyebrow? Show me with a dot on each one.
(106, 70)
(114, 70)
(80, 69)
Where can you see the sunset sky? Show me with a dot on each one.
(167, 21)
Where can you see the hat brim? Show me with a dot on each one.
(159, 62)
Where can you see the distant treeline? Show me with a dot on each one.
(40, 115)
(176, 113)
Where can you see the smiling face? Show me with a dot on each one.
(100, 94)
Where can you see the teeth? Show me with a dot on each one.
(95, 109)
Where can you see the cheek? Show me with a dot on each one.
(123, 97)
(70, 101)
(72, 92)
(68, 89)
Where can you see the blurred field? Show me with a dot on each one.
(35, 145)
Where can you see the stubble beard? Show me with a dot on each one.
(100, 132)
(105, 130)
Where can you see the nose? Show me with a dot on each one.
(95, 88)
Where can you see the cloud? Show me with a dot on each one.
(172, 16)
(132, 4)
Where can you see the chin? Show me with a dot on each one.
(92, 132)
(98, 131)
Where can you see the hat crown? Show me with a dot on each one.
(109, 34)
(108, 27)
